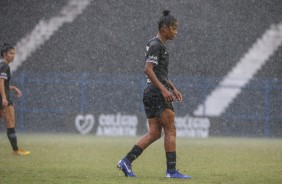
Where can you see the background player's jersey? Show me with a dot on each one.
(157, 54)
(6, 74)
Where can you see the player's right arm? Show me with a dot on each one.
(152, 76)
(2, 92)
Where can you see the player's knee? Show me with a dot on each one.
(170, 130)
(155, 135)
(158, 135)
(173, 132)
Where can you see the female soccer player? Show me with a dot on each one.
(157, 99)
(6, 105)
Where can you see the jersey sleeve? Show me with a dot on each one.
(4, 71)
(153, 53)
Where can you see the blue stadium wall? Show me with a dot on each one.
(88, 76)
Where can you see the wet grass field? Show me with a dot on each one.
(90, 159)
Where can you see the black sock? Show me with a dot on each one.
(134, 153)
(11, 133)
(171, 160)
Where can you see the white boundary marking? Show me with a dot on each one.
(220, 98)
(45, 29)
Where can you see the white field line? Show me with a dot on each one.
(220, 98)
(45, 29)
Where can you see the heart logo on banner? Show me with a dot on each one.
(84, 124)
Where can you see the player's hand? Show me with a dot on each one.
(167, 95)
(178, 95)
(4, 102)
(18, 92)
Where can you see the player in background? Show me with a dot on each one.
(6, 105)
(157, 99)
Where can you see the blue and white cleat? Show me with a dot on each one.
(176, 174)
(125, 165)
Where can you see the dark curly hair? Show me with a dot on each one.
(6, 48)
(166, 19)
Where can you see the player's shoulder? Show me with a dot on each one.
(155, 42)
(3, 65)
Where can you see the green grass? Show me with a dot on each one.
(90, 159)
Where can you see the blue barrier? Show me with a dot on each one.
(67, 93)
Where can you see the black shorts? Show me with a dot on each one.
(154, 102)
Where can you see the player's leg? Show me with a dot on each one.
(167, 118)
(8, 113)
(154, 133)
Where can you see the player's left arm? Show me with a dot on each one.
(176, 93)
(17, 90)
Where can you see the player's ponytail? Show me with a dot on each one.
(166, 19)
(6, 48)
(166, 12)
